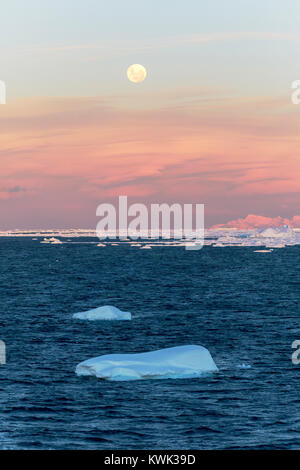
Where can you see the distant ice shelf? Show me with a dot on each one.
(271, 237)
(107, 312)
(179, 362)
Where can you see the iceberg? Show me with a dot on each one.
(270, 237)
(52, 241)
(56, 241)
(179, 362)
(277, 232)
(107, 312)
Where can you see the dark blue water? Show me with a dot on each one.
(244, 307)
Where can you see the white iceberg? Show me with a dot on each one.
(271, 237)
(107, 312)
(56, 241)
(277, 232)
(52, 241)
(46, 240)
(172, 363)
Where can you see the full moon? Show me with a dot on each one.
(136, 73)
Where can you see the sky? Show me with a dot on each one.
(213, 122)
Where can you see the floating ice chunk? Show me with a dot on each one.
(106, 312)
(172, 363)
(56, 241)
(46, 240)
(101, 244)
(52, 241)
(262, 251)
(243, 366)
(145, 247)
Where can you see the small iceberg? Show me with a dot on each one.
(52, 241)
(56, 241)
(46, 240)
(180, 362)
(107, 312)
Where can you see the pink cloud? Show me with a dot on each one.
(72, 154)
(258, 221)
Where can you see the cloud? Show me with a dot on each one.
(165, 42)
(257, 221)
(233, 155)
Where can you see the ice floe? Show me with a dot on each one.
(52, 241)
(172, 363)
(107, 312)
(272, 237)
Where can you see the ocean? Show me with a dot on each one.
(242, 306)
